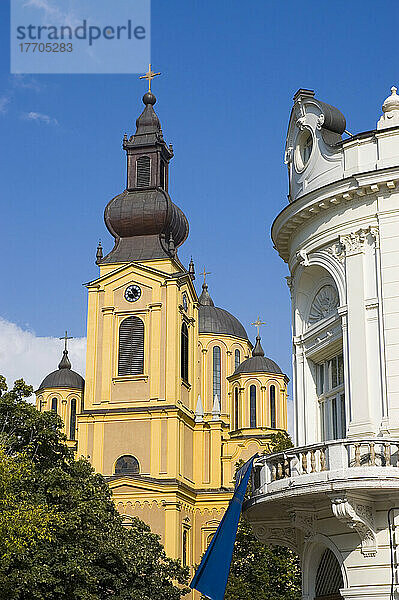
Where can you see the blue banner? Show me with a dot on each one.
(211, 576)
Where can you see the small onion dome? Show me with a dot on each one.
(64, 377)
(217, 320)
(258, 362)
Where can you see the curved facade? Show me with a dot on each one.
(329, 497)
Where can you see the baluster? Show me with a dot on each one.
(305, 462)
(323, 466)
(280, 469)
(387, 454)
(286, 467)
(357, 455)
(312, 462)
(372, 454)
(273, 471)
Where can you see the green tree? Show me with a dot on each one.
(61, 536)
(258, 572)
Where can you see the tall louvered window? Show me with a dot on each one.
(143, 167)
(237, 359)
(252, 406)
(236, 409)
(72, 420)
(216, 373)
(131, 347)
(184, 353)
(54, 404)
(272, 393)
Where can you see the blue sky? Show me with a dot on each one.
(229, 71)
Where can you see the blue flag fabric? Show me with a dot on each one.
(211, 576)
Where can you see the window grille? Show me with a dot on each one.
(272, 393)
(252, 406)
(72, 420)
(143, 166)
(127, 464)
(329, 578)
(216, 373)
(131, 347)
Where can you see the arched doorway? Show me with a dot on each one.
(329, 578)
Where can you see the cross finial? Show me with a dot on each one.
(258, 324)
(66, 338)
(150, 76)
(205, 273)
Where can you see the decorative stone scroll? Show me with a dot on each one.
(359, 517)
(306, 522)
(276, 536)
(355, 242)
(325, 303)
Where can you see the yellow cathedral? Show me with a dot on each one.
(175, 394)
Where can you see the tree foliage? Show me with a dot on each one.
(61, 537)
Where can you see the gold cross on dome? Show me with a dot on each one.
(205, 273)
(150, 76)
(258, 323)
(66, 338)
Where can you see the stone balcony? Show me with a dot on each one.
(296, 491)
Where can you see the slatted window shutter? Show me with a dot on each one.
(184, 352)
(131, 347)
(143, 166)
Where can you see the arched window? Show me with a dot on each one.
(216, 374)
(185, 548)
(184, 352)
(54, 404)
(127, 465)
(236, 409)
(237, 359)
(72, 421)
(272, 393)
(143, 166)
(131, 347)
(252, 406)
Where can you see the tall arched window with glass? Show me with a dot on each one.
(216, 373)
(252, 406)
(236, 409)
(237, 359)
(272, 394)
(72, 420)
(184, 353)
(185, 548)
(331, 393)
(54, 404)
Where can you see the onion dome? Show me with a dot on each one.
(390, 108)
(143, 219)
(64, 377)
(258, 362)
(217, 320)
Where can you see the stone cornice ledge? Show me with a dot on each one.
(308, 206)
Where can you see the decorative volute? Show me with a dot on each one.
(390, 108)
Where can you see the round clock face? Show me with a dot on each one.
(132, 293)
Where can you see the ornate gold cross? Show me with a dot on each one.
(150, 76)
(66, 338)
(258, 323)
(205, 273)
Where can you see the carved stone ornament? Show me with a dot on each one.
(359, 517)
(325, 303)
(275, 536)
(337, 250)
(302, 258)
(306, 522)
(355, 242)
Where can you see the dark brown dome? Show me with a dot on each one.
(64, 377)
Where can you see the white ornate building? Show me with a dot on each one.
(333, 497)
